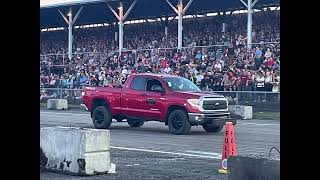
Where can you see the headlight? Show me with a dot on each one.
(194, 102)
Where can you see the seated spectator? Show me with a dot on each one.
(96, 63)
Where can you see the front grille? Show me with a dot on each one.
(214, 104)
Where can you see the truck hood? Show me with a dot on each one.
(201, 93)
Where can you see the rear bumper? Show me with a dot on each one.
(216, 118)
(83, 107)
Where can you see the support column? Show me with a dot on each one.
(166, 31)
(249, 6)
(249, 25)
(121, 18)
(166, 27)
(120, 27)
(223, 27)
(70, 35)
(116, 36)
(180, 12)
(180, 9)
(70, 23)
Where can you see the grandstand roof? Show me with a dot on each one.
(97, 11)
(59, 3)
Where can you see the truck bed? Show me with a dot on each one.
(113, 95)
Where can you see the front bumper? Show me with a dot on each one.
(213, 118)
(83, 107)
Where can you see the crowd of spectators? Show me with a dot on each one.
(230, 66)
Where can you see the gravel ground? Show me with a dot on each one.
(252, 137)
(146, 165)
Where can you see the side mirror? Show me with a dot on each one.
(157, 88)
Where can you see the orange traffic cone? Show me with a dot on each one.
(229, 147)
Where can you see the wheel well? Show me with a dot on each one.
(98, 102)
(172, 108)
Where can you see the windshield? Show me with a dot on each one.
(180, 84)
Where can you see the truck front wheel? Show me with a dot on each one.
(210, 128)
(135, 122)
(101, 117)
(178, 122)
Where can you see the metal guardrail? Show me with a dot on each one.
(64, 55)
(60, 93)
(245, 97)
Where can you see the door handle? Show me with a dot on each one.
(151, 101)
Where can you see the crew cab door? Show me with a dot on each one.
(154, 102)
(133, 97)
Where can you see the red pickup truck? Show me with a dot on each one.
(156, 97)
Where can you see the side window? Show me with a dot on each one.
(152, 82)
(138, 83)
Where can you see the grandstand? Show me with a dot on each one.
(207, 44)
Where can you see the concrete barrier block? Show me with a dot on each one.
(75, 150)
(251, 167)
(57, 104)
(244, 111)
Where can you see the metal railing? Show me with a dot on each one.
(64, 55)
(60, 93)
(239, 97)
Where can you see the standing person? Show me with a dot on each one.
(268, 84)
(217, 66)
(258, 52)
(141, 68)
(124, 70)
(258, 58)
(64, 82)
(276, 65)
(268, 80)
(232, 82)
(199, 78)
(205, 83)
(244, 81)
(83, 79)
(276, 83)
(243, 84)
(92, 81)
(52, 81)
(167, 70)
(192, 78)
(230, 52)
(77, 81)
(70, 81)
(193, 69)
(260, 86)
(260, 82)
(268, 54)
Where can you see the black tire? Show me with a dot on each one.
(210, 128)
(101, 117)
(135, 122)
(178, 122)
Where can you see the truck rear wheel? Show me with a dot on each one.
(178, 122)
(101, 117)
(211, 128)
(135, 122)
